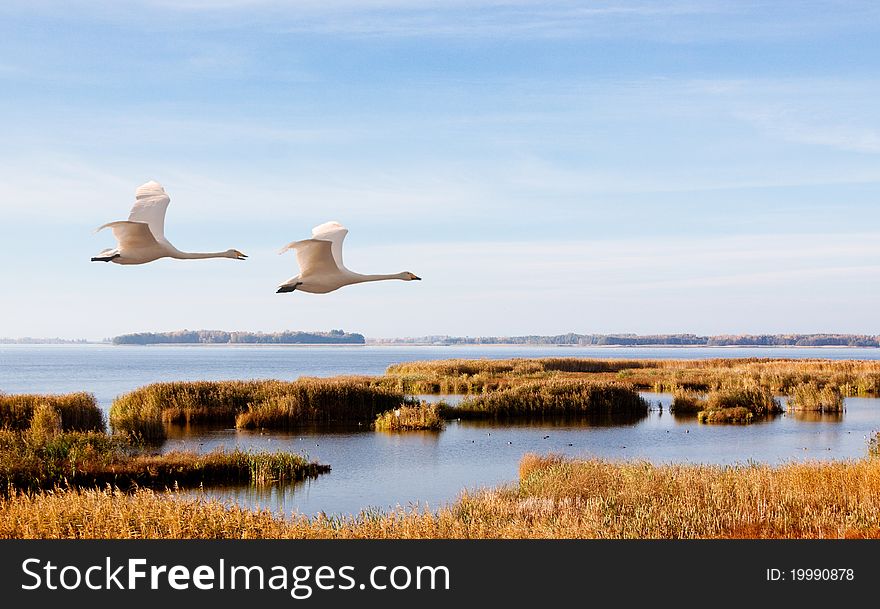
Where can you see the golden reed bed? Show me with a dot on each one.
(501, 388)
(851, 377)
(555, 498)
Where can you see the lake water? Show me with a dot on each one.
(384, 470)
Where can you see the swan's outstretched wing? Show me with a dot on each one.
(335, 233)
(150, 206)
(314, 256)
(132, 235)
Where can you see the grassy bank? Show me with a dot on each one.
(78, 411)
(552, 398)
(555, 498)
(251, 404)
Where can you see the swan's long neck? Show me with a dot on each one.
(358, 278)
(198, 255)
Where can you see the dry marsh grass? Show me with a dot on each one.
(411, 418)
(809, 397)
(32, 460)
(739, 405)
(251, 404)
(781, 376)
(554, 397)
(640, 500)
(40, 458)
(45, 456)
(556, 498)
(77, 411)
(511, 387)
(483, 375)
(217, 467)
(687, 402)
(515, 366)
(323, 401)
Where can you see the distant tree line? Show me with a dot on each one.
(742, 340)
(799, 340)
(220, 337)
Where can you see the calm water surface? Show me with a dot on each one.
(384, 470)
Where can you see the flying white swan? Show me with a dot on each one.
(141, 238)
(320, 263)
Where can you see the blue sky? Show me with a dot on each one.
(631, 166)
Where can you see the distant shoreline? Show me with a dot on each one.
(658, 346)
(570, 340)
(451, 345)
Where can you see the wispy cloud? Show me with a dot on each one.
(67, 188)
(794, 126)
(836, 113)
(10, 70)
(637, 264)
(599, 19)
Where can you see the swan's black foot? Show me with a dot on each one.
(288, 288)
(105, 258)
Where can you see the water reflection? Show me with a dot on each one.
(691, 417)
(812, 416)
(424, 437)
(186, 431)
(594, 420)
(276, 498)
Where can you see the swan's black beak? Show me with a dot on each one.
(241, 256)
(284, 289)
(414, 278)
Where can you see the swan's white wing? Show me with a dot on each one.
(335, 233)
(150, 206)
(314, 256)
(132, 235)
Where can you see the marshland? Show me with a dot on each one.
(49, 452)
(553, 497)
(337, 406)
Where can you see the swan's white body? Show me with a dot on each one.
(141, 238)
(320, 263)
